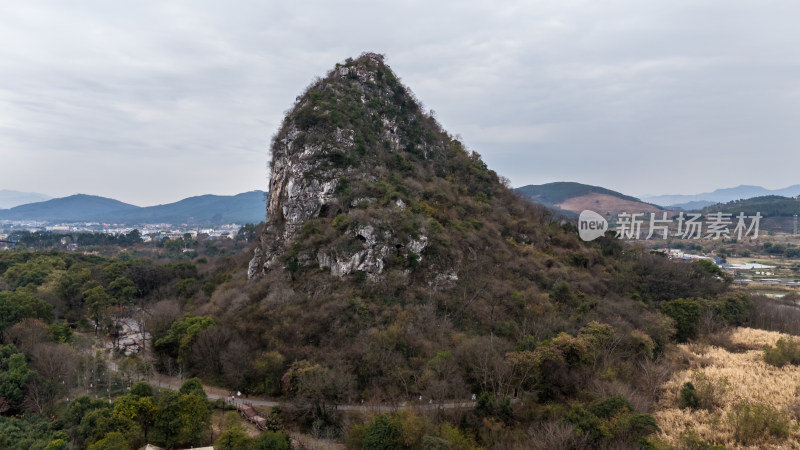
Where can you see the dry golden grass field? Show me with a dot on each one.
(731, 377)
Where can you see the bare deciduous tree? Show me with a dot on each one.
(28, 333)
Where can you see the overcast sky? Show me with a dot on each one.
(150, 101)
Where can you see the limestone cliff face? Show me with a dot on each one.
(337, 143)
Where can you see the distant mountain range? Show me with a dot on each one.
(249, 207)
(565, 197)
(571, 198)
(79, 207)
(10, 199)
(699, 201)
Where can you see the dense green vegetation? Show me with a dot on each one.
(768, 206)
(44, 240)
(141, 415)
(785, 351)
(787, 250)
(51, 303)
(165, 418)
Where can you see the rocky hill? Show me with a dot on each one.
(366, 186)
(363, 179)
(396, 265)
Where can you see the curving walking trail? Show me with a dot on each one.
(214, 393)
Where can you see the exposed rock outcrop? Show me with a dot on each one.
(339, 133)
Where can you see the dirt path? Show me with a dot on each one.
(174, 383)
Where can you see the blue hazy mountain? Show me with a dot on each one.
(10, 199)
(80, 207)
(721, 195)
(249, 207)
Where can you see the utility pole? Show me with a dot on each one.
(795, 224)
(109, 384)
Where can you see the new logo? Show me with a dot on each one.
(591, 225)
